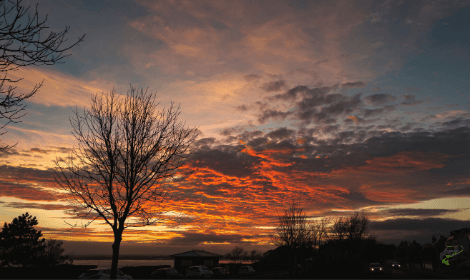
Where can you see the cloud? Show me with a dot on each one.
(26, 192)
(337, 105)
(232, 130)
(273, 86)
(354, 119)
(205, 142)
(379, 111)
(195, 239)
(273, 114)
(420, 212)
(58, 89)
(353, 85)
(252, 77)
(235, 184)
(450, 114)
(420, 230)
(379, 99)
(242, 107)
(41, 206)
(410, 100)
(281, 133)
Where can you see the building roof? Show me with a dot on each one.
(196, 253)
(457, 234)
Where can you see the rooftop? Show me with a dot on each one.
(196, 253)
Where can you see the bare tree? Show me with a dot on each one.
(293, 233)
(339, 229)
(357, 227)
(352, 229)
(237, 255)
(318, 232)
(126, 159)
(20, 45)
(255, 255)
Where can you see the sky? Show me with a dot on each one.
(343, 105)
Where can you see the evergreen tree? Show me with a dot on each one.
(20, 242)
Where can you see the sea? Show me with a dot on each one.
(106, 264)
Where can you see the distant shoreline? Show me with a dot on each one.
(122, 257)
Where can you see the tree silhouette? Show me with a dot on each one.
(403, 249)
(415, 251)
(128, 157)
(52, 254)
(295, 234)
(352, 229)
(237, 255)
(255, 255)
(19, 242)
(20, 45)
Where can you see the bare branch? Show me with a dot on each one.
(22, 46)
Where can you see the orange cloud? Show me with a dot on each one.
(406, 162)
(353, 118)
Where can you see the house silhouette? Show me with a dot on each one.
(195, 257)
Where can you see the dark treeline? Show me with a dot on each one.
(21, 244)
(315, 250)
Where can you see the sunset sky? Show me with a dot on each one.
(344, 105)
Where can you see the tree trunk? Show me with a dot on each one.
(116, 245)
(290, 264)
(296, 268)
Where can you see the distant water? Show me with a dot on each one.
(104, 264)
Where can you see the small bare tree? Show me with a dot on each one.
(293, 233)
(339, 229)
(255, 256)
(19, 47)
(317, 234)
(321, 230)
(352, 229)
(237, 255)
(127, 158)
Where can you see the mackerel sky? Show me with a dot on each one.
(344, 105)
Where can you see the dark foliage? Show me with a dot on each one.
(52, 254)
(20, 242)
(65, 271)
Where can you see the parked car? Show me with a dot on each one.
(246, 270)
(200, 271)
(396, 265)
(376, 268)
(220, 273)
(166, 273)
(102, 274)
